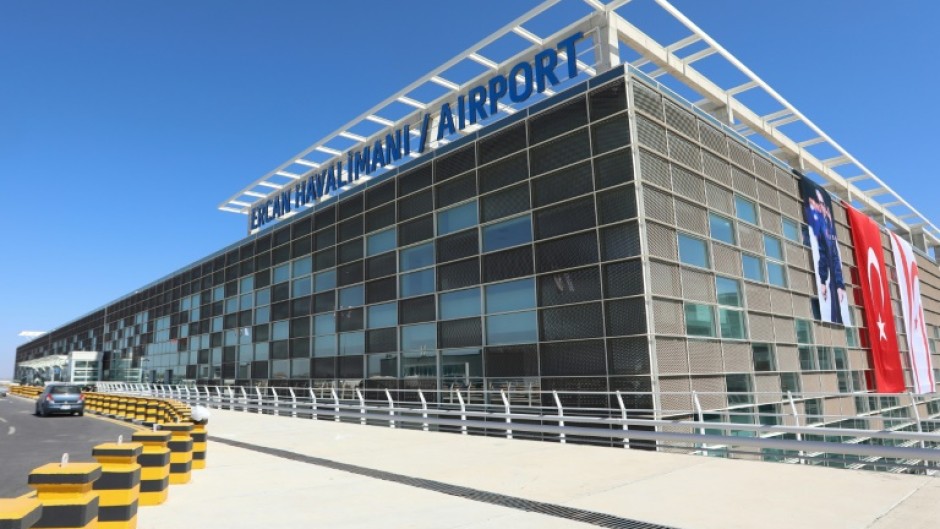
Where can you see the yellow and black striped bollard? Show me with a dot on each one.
(200, 440)
(65, 491)
(118, 487)
(155, 467)
(19, 513)
(153, 407)
(181, 448)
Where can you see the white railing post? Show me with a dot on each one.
(313, 404)
(218, 395)
(187, 394)
(920, 428)
(362, 407)
(293, 402)
(424, 410)
(701, 419)
(463, 414)
(260, 399)
(277, 402)
(561, 413)
(796, 421)
(335, 404)
(502, 393)
(623, 417)
(244, 398)
(391, 409)
(231, 397)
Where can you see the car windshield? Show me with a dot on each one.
(65, 390)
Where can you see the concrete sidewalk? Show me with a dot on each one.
(243, 487)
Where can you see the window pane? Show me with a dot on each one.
(790, 382)
(824, 354)
(460, 304)
(721, 228)
(776, 274)
(302, 267)
(301, 287)
(518, 327)
(416, 257)
(791, 230)
(457, 218)
(325, 280)
(807, 360)
(729, 291)
(281, 273)
(507, 233)
(731, 323)
(385, 315)
(763, 357)
(419, 337)
(753, 267)
(351, 296)
(324, 345)
(380, 242)
(804, 331)
(352, 343)
(693, 251)
(417, 283)
(512, 295)
(738, 384)
(699, 320)
(262, 297)
(745, 209)
(773, 248)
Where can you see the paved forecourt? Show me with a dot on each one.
(268, 471)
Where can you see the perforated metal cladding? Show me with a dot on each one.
(781, 302)
(349, 274)
(511, 361)
(459, 333)
(664, 279)
(381, 290)
(740, 155)
(612, 169)
(655, 170)
(565, 218)
(659, 205)
(705, 356)
(416, 310)
(802, 307)
(502, 143)
(608, 100)
(349, 251)
(324, 217)
(569, 286)
(802, 282)
(414, 180)
(784, 330)
(692, 218)
(744, 183)
(610, 134)
(797, 255)
(458, 245)
(382, 340)
(349, 320)
(626, 316)
(324, 238)
(719, 198)
(788, 358)
(574, 358)
(624, 278)
(504, 172)
(563, 184)
(684, 152)
(616, 204)
(628, 356)
(380, 265)
(560, 152)
(324, 302)
(620, 241)
(768, 388)
(688, 185)
(380, 194)
(415, 205)
(770, 220)
(558, 120)
(716, 168)
(324, 259)
(675, 394)
(681, 120)
(508, 264)
(661, 240)
(566, 252)
(698, 286)
(858, 359)
(459, 274)
(727, 259)
(767, 195)
(790, 207)
(761, 327)
(349, 207)
(380, 218)
(571, 322)
(651, 135)
(713, 138)
(454, 163)
(737, 356)
(671, 356)
(348, 229)
(710, 392)
(750, 239)
(456, 190)
(505, 203)
(668, 317)
(648, 100)
(757, 296)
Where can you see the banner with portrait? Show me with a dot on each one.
(827, 262)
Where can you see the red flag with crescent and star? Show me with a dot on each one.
(876, 298)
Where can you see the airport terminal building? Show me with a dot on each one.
(564, 221)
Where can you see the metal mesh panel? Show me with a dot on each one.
(349, 207)
(558, 120)
(505, 203)
(770, 220)
(380, 218)
(648, 100)
(608, 100)
(829, 383)
(415, 205)
(713, 138)
(668, 317)
(324, 302)
(413, 180)
(711, 392)
(750, 239)
(788, 358)
(511, 361)
(688, 185)
(324, 218)
(567, 252)
(380, 265)
(665, 279)
(658, 205)
(626, 316)
(671, 356)
(691, 218)
(655, 170)
(661, 240)
(416, 310)
(349, 274)
(675, 394)
(651, 134)
(698, 286)
(716, 168)
(786, 181)
(508, 264)
(613, 169)
(576, 358)
(764, 169)
(719, 198)
(705, 356)
(769, 388)
(502, 143)
(570, 286)
(457, 275)
(784, 330)
(458, 245)
(740, 155)
(571, 322)
(684, 152)
(744, 183)
(737, 356)
(802, 281)
(382, 340)
(565, 218)
(624, 278)
(460, 333)
(560, 152)
(560, 185)
(757, 296)
(616, 204)
(781, 302)
(790, 207)
(350, 251)
(325, 259)
(380, 194)
(761, 327)
(456, 190)
(349, 229)
(797, 255)
(454, 163)
(503, 173)
(381, 290)
(620, 241)
(349, 320)
(727, 259)
(610, 134)
(628, 356)
(858, 359)
(681, 120)
(767, 195)
(802, 307)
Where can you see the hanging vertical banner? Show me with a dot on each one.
(817, 208)
(876, 298)
(909, 285)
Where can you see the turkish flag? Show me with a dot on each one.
(879, 318)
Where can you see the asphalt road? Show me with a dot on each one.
(28, 441)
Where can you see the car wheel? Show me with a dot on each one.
(81, 414)
(42, 411)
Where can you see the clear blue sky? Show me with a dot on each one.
(124, 124)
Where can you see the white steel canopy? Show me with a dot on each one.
(614, 37)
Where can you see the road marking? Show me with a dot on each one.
(2, 419)
(12, 430)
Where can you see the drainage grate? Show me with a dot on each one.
(549, 509)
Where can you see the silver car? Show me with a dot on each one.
(61, 398)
